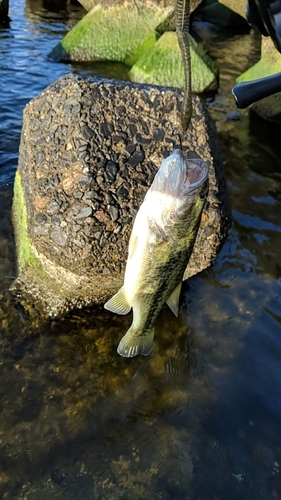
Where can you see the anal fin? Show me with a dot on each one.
(118, 304)
(173, 300)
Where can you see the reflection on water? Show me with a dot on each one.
(199, 419)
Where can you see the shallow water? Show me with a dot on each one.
(200, 418)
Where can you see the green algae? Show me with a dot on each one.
(269, 64)
(25, 254)
(162, 65)
(116, 33)
(141, 49)
(30, 268)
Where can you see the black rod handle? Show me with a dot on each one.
(245, 93)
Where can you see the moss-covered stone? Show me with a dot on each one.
(89, 4)
(116, 32)
(162, 65)
(47, 292)
(269, 64)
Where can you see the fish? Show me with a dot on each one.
(160, 246)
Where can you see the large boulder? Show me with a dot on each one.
(113, 31)
(162, 65)
(89, 4)
(89, 151)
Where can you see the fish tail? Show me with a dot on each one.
(133, 344)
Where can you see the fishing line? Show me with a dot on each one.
(182, 16)
(174, 132)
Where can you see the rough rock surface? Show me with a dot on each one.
(89, 151)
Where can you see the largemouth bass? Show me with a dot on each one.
(160, 246)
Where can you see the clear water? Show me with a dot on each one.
(200, 418)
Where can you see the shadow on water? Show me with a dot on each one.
(199, 419)
(87, 404)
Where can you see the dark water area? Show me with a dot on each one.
(200, 418)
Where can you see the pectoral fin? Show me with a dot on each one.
(133, 243)
(173, 300)
(118, 304)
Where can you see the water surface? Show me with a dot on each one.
(200, 418)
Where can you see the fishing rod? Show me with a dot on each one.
(265, 17)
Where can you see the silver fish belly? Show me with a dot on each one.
(160, 246)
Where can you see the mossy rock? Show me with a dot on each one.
(89, 4)
(269, 64)
(45, 289)
(112, 32)
(162, 65)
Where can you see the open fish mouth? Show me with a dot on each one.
(197, 173)
(179, 176)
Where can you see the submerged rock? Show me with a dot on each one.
(89, 151)
(162, 65)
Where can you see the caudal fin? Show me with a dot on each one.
(132, 344)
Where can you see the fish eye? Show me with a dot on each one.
(203, 195)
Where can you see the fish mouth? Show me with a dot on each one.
(179, 176)
(197, 173)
